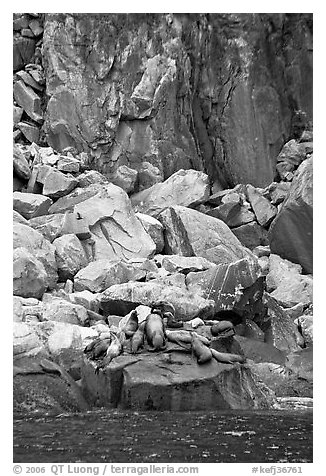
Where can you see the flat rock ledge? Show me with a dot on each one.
(172, 381)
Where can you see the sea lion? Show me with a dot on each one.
(200, 350)
(98, 347)
(131, 324)
(227, 358)
(154, 330)
(167, 311)
(115, 348)
(222, 328)
(137, 339)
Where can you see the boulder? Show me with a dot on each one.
(259, 351)
(49, 226)
(26, 341)
(29, 80)
(227, 284)
(27, 98)
(185, 264)
(31, 205)
(57, 184)
(265, 212)
(57, 309)
(23, 51)
(184, 235)
(70, 256)
(46, 388)
(185, 187)
(74, 223)
(305, 324)
(39, 247)
(291, 234)
(285, 282)
(148, 175)
(163, 382)
(251, 235)
(292, 153)
(29, 131)
(17, 217)
(100, 275)
(282, 333)
(116, 231)
(85, 298)
(29, 276)
(21, 166)
(90, 177)
(125, 178)
(232, 213)
(277, 192)
(17, 309)
(154, 228)
(122, 298)
(68, 164)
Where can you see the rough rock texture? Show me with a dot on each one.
(212, 78)
(125, 177)
(291, 233)
(39, 247)
(69, 255)
(115, 230)
(63, 311)
(251, 235)
(164, 382)
(264, 210)
(29, 276)
(121, 298)
(191, 233)
(57, 184)
(185, 187)
(185, 264)
(154, 228)
(31, 205)
(21, 166)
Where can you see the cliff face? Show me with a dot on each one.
(219, 93)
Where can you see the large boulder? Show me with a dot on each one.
(185, 187)
(21, 166)
(29, 276)
(164, 382)
(31, 205)
(191, 233)
(115, 230)
(57, 184)
(26, 342)
(25, 237)
(291, 233)
(61, 310)
(251, 235)
(70, 256)
(285, 282)
(265, 212)
(121, 298)
(154, 228)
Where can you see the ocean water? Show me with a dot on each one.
(114, 436)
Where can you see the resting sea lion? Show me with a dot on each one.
(227, 358)
(131, 325)
(201, 351)
(154, 330)
(137, 339)
(98, 347)
(222, 328)
(114, 349)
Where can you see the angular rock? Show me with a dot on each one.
(125, 178)
(23, 51)
(49, 225)
(31, 205)
(286, 284)
(70, 256)
(44, 387)
(277, 192)
(226, 284)
(282, 333)
(265, 212)
(232, 213)
(28, 100)
(17, 114)
(61, 310)
(154, 228)
(56, 184)
(305, 324)
(251, 235)
(30, 131)
(85, 298)
(29, 80)
(293, 153)
(148, 175)
(185, 264)
(19, 218)
(161, 382)
(21, 166)
(17, 309)
(29, 275)
(26, 342)
(122, 298)
(21, 22)
(250, 330)
(116, 231)
(259, 351)
(68, 164)
(291, 234)
(101, 274)
(185, 187)
(35, 26)
(39, 247)
(184, 235)
(73, 223)
(90, 177)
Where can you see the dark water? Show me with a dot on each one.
(149, 437)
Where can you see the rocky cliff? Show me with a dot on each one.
(163, 158)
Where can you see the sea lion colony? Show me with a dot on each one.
(152, 334)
